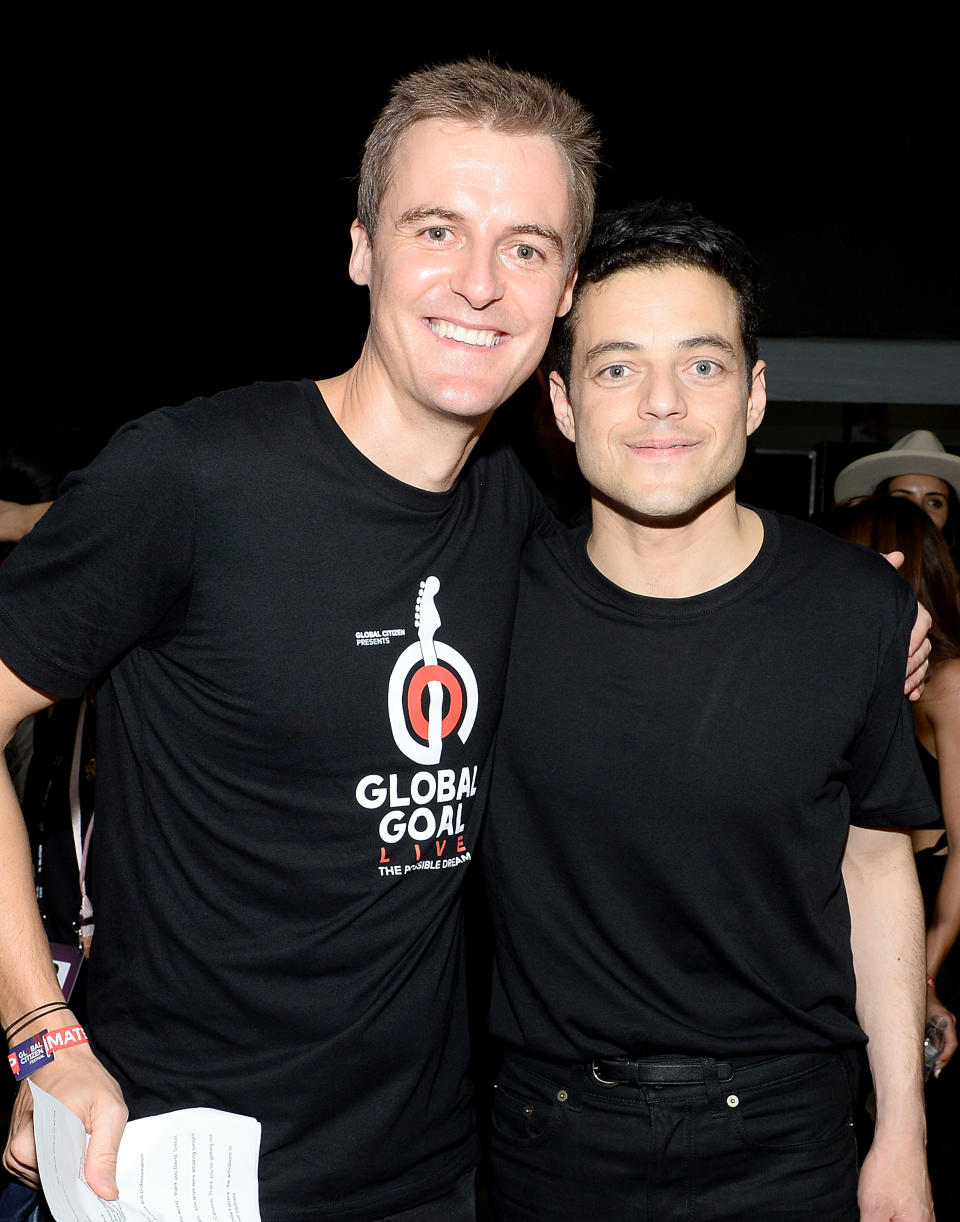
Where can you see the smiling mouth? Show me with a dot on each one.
(660, 446)
(465, 335)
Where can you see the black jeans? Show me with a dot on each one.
(767, 1139)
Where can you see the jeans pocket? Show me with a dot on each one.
(525, 1107)
(802, 1110)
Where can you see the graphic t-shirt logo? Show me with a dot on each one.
(428, 701)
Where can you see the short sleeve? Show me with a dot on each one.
(886, 783)
(526, 495)
(107, 567)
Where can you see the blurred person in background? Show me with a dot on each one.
(918, 468)
(888, 523)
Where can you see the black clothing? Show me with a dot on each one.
(282, 805)
(48, 814)
(673, 786)
(931, 770)
(768, 1138)
(943, 1093)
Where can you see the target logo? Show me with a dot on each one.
(433, 690)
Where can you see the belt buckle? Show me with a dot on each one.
(605, 1082)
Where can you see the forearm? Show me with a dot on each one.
(27, 975)
(887, 941)
(886, 938)
(28, 981)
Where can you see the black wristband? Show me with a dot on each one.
(32, 1016)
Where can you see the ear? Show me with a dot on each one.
(361, 254)
(757, 402)
(562, 409)
(566, 297)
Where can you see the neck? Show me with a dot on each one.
(674, 558)
(422, 448)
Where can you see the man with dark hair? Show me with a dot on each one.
(702, 892)
(299, 703)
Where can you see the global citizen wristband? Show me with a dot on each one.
(38, 1050)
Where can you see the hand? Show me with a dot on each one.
(17, 520)
(81, 1083)
(936, 1009)
(893, 1182)
(917, 662)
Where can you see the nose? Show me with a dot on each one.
(477, 275)
(661, 395)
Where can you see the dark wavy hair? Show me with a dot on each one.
(893, 523)
(657, 234)
(951, 528)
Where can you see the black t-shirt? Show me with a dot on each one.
(672, 789)
(305, 663)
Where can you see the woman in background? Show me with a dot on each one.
(918, 468)
(890, 523)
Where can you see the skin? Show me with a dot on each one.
(937, 725)
(414, 404)
(886, 939)
(930, 493)
(659, 408)
(475, 230)
(659, 405)
(18, 520)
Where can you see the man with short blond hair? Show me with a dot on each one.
(299, 703)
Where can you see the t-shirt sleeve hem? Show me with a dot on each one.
(913, 816)
(44, 673)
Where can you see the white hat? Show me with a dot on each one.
(919, 453)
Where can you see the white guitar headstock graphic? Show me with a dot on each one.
(447, 677)
(426, 618)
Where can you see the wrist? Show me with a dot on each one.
(51, 1013)
(907, 1125)
(42, 1048)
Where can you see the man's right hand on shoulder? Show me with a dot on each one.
(81, 1083)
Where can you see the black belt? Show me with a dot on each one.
(660, 1071)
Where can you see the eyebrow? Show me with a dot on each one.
(685, 345)
(711, 340)
(610, 345)
(426, 213)
(413, 216)
(541, 231)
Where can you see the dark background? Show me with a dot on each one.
(186, 192)
(179, 191)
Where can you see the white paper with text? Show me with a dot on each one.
(194, 1165)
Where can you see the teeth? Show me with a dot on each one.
(480, 339)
